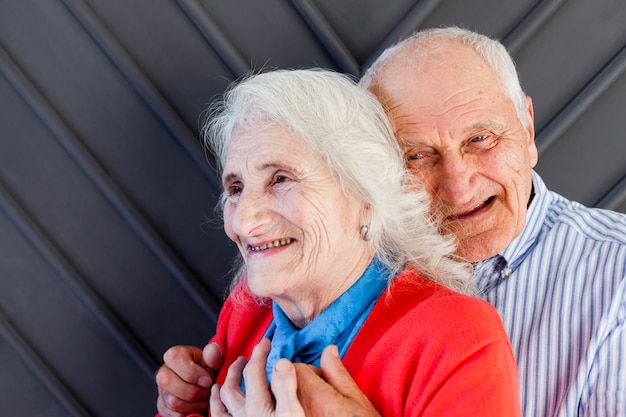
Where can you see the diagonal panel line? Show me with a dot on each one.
(615, 197)
(74, 281)
(564, 120)
(528, 26)
(214, 37)
(327, 36)
(92, 169)
(414, 18)
(165, 113)
(40, 369)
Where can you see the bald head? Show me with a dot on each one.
(430, 46)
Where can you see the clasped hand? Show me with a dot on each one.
(257, 400)
(295, 390)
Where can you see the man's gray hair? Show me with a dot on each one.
(421, 45)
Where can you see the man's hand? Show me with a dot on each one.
(185, 379)
(331, 391)
(257, 400)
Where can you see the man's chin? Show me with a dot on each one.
(478, 249)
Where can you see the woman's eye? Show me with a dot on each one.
(280, 179)
(479, 138)
(234, 189)
(416, 156)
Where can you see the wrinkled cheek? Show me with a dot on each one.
(423, 180)
(228, 229)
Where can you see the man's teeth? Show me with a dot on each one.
(274, 244)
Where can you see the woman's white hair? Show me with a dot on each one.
(423, 45)
(348, 127)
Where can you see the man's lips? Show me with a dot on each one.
(473, 210)
(270, 245)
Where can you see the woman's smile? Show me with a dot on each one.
(270, 245)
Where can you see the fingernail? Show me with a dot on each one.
(205, 381)
(218, 347)
(334, 350)
(283, 365)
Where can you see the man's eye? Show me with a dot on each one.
(280, 178)
(482, 143)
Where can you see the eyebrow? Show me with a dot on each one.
(482, 126)
(490, 126)
(227, 178)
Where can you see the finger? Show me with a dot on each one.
(284, 386)
(218, 409)
(188, 364)
(314, 394)
(164, 411)
(230, 393)
(258, 395)
(177, 392)
(212, 357)
(169, 405)
(336, 374)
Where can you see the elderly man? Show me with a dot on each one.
(554, 269)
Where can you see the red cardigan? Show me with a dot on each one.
(423, 351)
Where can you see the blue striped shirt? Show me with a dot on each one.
(560, 288)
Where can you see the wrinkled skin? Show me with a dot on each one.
(467, 147)
(465, 144)
(291, 386)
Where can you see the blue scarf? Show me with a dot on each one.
(337, 325)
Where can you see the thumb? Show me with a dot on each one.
(212, 357)
(336, 374)
(340, 379)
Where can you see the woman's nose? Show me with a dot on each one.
(250, 214)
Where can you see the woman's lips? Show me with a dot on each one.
(270, 245)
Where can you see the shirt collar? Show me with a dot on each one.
(519, 248)
(509, 259)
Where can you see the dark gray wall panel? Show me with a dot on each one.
(110, 250)
(54, 322)
(86, 227)
(130, 143)
(568, 50)
(182, 67)
(359, 28)
(281, 37)
(25, 392)
(595, 140)
(493, 17)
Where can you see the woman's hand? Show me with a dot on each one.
(257, 400)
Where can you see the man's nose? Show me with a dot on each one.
(455, 185)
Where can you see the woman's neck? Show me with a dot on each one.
(302, 307)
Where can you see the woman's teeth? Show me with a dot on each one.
(270, 245)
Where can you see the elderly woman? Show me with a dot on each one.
(338, 250)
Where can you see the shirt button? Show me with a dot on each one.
(506, 272)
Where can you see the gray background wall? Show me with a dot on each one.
(108, 254)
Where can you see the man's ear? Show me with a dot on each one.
(533, 153)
